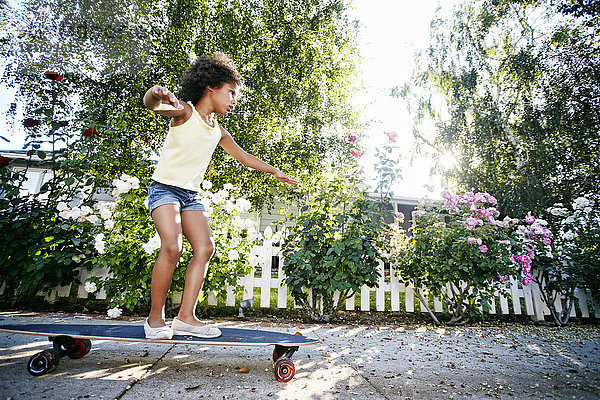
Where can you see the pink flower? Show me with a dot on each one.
(524, 259)
(351, 138)
(547, 241)
(472, 222)
(429, 188)
(527, 279)
(400, 216)
(512, 258)
(392, 136)
(356, 153)
(483, 248)
(530, 219)
(503, 278)
(473, 240)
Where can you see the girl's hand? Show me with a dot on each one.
(168, 101)
(283, 178)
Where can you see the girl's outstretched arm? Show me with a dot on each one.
(249, 160)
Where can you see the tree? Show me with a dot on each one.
(298, 60)
(520, 91)
(111, 52)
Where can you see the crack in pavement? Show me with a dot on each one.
(130, 386)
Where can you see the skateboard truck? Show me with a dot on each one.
(284, 366)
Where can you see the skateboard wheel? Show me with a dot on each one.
(284, 370)
(43, 362)
(79, 348)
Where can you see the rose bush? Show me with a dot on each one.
(39, 250)
(576, 263)
(461, 252)
(126, 243)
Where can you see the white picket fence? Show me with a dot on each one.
(387, 296)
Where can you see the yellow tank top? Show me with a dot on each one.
(186, 153)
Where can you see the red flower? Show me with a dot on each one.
(4, 161)
(55, 76)
(63, 123)
(90, 132)
(351, 138)
(30, 123)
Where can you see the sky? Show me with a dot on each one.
(391, 31)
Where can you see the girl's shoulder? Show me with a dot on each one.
(188, 109)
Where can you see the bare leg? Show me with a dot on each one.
(167, 220)
(196, 229)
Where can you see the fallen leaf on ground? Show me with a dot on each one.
(243, 370)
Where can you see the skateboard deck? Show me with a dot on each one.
(74, 341)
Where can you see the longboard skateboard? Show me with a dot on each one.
(74, 341)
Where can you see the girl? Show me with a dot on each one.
(209, 87)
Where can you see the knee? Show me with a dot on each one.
(172, 251)
(205, 252)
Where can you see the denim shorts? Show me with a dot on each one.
(160, 194)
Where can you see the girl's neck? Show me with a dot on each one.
(206, 115)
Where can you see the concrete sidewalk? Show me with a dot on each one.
(351, 362)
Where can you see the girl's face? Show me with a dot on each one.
(224, 98)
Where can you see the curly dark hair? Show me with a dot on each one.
(207, 71)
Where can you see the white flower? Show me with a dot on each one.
(570, 235)
(151, 245)
(229, 206)
(233, 255)
(228, 186)
(134, 182)
(238, 223)
(62, 206)
(120, 187)
(99, 245)
(93, 219)
(587, 210)
(76, 212)
(242, 205)
(114, 312)
(65, 214)
(109, 224)
(106, 210)
(256, 260)
(206, 185)
(87, 210)
(268, 234)
(90, 287)
(580, 203)
(219, 197)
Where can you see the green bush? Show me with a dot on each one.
(331, 247)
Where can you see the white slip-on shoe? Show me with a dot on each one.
(163, 332)
(204, 331)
